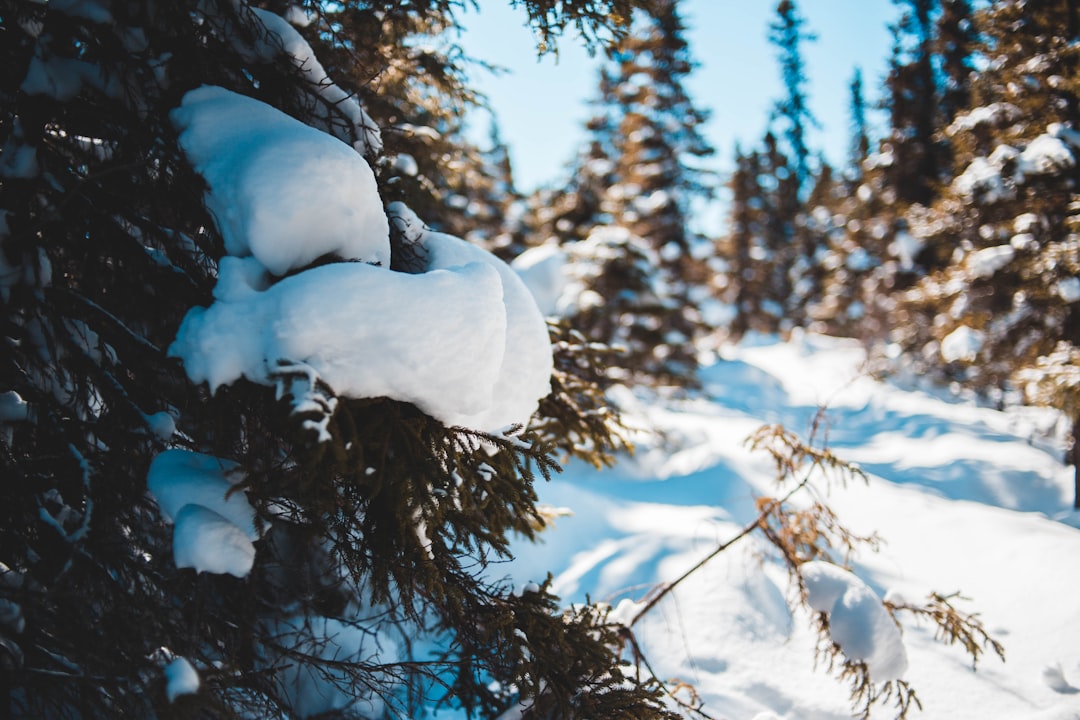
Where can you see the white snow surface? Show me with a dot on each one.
(1044, 155)
(966, 498)
(280, 191)
(523, 360)
(180, 679)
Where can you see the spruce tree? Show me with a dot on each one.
(787, 33)
(363, 520)
(912, 104)
(859, 145)
(1001, 314)
(635, 177)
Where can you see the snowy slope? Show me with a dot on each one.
(967, 498)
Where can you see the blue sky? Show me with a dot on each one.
(541, 104)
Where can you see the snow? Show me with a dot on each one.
(206, 541)
(858, 621)
(12, 407)
(460, 336)
(280, 191)
(995, 115)
(962, 344)
(366, 331)
(966, 498)
(1045, 155)
(213, 526)
(180, 477)
(982, 181)
(322, 692)
(984, 263)
(180, 679)
(542, 269)
(524, 359)
(1069, 289)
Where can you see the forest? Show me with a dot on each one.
(308, 411)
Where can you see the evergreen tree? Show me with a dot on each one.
(787, 33)
(635, 176)
(1003, 232)
(912, 103)
(859, 145)
(955, 41)
(362, 520)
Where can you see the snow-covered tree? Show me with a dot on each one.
(1004, 231)
(633, 187)
(257, 423)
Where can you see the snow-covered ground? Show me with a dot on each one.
(966, 498)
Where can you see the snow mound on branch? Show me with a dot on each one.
(988, 261)
(213, 526)
(1045, 155)
(280, 191)
(282, 36)
(858, 621)
(180, 679)
(461, 338)
(434, 339)
(963, 343)
(315, 693)
(524, 362)
(542, 269)
(207, 542)
(181, 477)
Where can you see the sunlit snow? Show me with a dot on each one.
(460, 336)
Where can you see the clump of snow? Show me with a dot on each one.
(996, 115)
(12, 407)
(214, 527)
(434, 339)
(180, 679)
(524, 360)
(543, 270)
(1026, 223)
(162, 425)
(982, 181)
(1064, 132)
(858, 621)
(962, 344)
(461, 338)
(1069, 289)
(1045, 155)
(280, 191)
(181, 477)
(906, 247)
(988, 261)
(207, 542)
